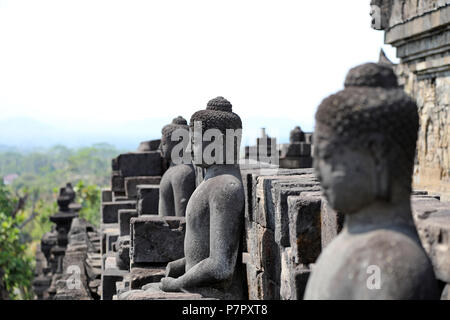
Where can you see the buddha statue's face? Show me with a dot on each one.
(166, 147)
(347, 175)
(197, 147)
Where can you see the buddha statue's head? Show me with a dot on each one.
(167, 141)
(296, 135)
(365, 140)
(215, 134)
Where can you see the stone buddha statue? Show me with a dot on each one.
(178, 182)
(215, 212)
(296, 135)
(365, 141)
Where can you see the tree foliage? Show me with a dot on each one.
(40, 175)
(15, 264)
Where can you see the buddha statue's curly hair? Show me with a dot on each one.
(373, 112)
(218, 115)
(177, 123)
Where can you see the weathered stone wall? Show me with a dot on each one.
(282, 232)
(420, 30)
(406, 10)
(288, 223)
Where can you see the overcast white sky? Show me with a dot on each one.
(102, 62)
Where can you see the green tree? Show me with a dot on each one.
(15, 264)
(89, 196)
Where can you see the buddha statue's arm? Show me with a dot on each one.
(225, 232)
(183, 190)
(165, 204)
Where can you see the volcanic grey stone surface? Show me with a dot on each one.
(123, 245)
(106, 195)
(109, 279)
(178, 182)
(110, 210)
(177, 186)
(305, 227)
(139, 164)
(157, 239)
(332, 223)
(366, 172)
(131, 184)
(142, 276)
(125, 216)
(151, 145)
(147, 199)
(214, 215)
(432, 219)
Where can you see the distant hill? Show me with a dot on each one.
(26, 133)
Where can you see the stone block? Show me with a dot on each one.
(110, 262)
(115, 164)
(105, 230)
(118, 195)
(287, 266)
(143, 276)
(111, 236)
(154, 293)
(122, 255)
(109, 280)
(157, 239)
(301, 276)
(122, 287)
(263, 202)
(121, 199)
(131, 184)
(432, 219)
(75, 259)
(300, 149)
(332, 223)
(293, 277)
(106, 195)
(263, 251)
(305, 227)
(281, 215)
(117, 182)
(148, 199)
(152, 145)
(124, 220)
(110, 210)
(135, 164)
(260, 286)
(296, 163)
(253, 246)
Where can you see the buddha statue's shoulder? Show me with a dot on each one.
(372, 244)
(348, 264)
(179, 172)
(226, 186)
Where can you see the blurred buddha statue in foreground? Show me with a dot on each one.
(365, 141)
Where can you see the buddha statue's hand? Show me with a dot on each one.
(176, 268)
(169, 284)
